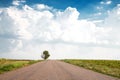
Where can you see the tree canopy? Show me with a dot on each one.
(45, 55)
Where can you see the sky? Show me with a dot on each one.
(68, 29)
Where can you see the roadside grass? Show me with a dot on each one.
(8, 65)
(109, 67)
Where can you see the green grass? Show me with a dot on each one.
(109, 67)
(8, 65)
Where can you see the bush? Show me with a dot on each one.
(7, 67)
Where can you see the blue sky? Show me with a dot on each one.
(80, 29)
(85, 7)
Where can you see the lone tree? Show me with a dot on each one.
(45, 55)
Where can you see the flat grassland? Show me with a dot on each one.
(109, 67)
(8, 65)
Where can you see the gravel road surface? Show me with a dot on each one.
(54, 70)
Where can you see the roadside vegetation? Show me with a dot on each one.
(8, 65)
(109, 67)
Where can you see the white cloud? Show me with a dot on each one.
(101, 2)
(34, 29)
(107, 2)
(98, 14)
(15, 3)
(99, 7)
(118, 5)
(18, 2)
(113, 22)
(42, 7)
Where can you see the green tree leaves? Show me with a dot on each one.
(45, 55)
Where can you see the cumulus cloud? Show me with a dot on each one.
(38, 27)
(113, 22)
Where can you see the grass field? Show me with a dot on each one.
(109, 67)
(8, 65)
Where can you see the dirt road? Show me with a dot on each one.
(54, 70)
